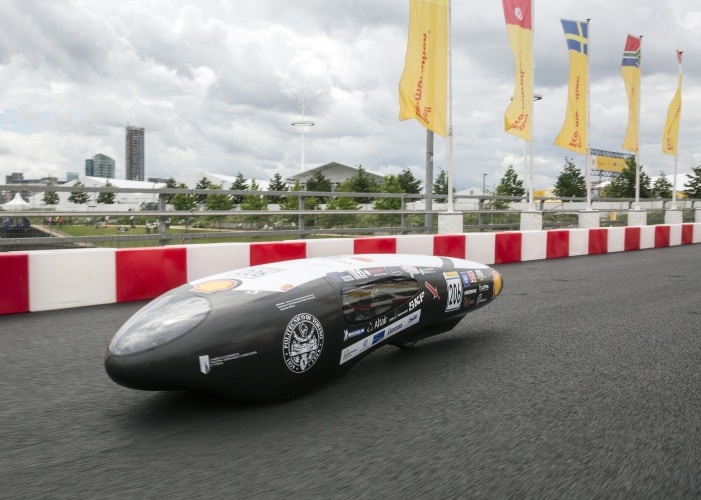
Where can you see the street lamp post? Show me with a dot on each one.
(302, 124)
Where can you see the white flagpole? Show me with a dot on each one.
(676, 146)
(449, 117)
(587, 157)
(531, 98)
(637, 138)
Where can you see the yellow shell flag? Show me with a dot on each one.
(423, 87)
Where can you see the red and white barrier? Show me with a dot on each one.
(58, 279)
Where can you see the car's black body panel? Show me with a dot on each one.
(273, 331)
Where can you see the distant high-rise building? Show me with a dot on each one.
(100, 166)
(135, 170)
(71, 176)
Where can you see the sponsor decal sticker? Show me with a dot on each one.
(454, 285)
(378, 337)
(207, 363)
(379, 322)
(394, 270)
(252, 273)
(349, 334)
(289, 304)
(433, 290)
(416, 301)
(366, 343)
(302, 342)
(472, 276)
(215, 286)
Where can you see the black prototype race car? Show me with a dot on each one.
(272, 331)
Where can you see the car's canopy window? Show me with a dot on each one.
(366, 301)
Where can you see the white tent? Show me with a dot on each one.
(17, 203)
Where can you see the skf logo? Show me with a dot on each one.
(416, 301)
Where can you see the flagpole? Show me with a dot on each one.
(676, 146)
(531, 200)
(637, 138)
(449, 113)
(587, 155)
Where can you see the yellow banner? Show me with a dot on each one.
(573, 135)
(670, 135)
(423, 88)
(631, 78)
(517, 118)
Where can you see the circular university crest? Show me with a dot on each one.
(302, 342)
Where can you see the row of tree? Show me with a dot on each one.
(570, 183)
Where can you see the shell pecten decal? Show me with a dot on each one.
(219, 285)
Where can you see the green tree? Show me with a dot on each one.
(391, 184)
(292, 202)
(254, 201)
(203, 183)
(509, 185)
(693, 185)
(408, 182)
(79, 197)
(623, 185)
(239, 184)
(218, 201)
(662, 187)
(183, 201)
(50, 198)
(318, 182)
(440, 186)
(277, 184)
(172, 184)
(106, 198)
(570, 182)
(361, 182)
(330, 220)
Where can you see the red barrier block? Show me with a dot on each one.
(632, 239)
(507, 247)
(449, 245)
(264, 253)
(146, 273)
(598, 241)
(558, 244)
(662, 236)
(687, 234)
(14, 274)
(375, 245)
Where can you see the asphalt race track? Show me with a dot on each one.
(581, 381)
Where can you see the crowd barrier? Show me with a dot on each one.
(57, 279)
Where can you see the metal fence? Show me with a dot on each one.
(157, 224)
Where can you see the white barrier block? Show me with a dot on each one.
(616, 239)
(647, 237)
(579, 242)
(214, 258)
(61, 279)
(675, 235)
(329, 247)
(697, 233)
(415, 243)
(534, 245)
(480, 247)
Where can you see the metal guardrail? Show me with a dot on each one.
(194, 226)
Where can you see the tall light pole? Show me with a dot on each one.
(302, 124)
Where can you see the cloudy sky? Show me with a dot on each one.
(217, 83)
